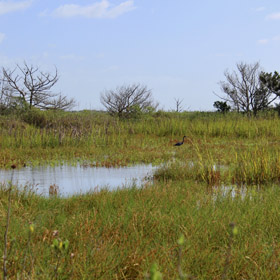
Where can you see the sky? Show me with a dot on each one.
(179, 49)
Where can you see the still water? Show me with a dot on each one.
(77, 179)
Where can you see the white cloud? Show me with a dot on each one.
(274, 16)
(263, 41)
(10, 6)
(101, 9)
(276, 38)
(2, 37)
(121, 9)
(260, 9)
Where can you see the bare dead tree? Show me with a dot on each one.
(6, 98)
(178, 104)
(244, 90)
(2, 96)
(34, 86)
(126, 99)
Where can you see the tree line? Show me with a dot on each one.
(247, 89)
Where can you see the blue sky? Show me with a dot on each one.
(178, 48)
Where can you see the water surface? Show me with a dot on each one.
(77, 179)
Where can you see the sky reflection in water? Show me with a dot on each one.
(77, 179)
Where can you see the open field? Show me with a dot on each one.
(121, 234)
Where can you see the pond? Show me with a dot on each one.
(72, 180)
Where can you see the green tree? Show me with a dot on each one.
(244, 89)
(271, 82)
(222, 106)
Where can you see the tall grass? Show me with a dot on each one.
(90, 136)
(81, 130)
(120, 234)
(249, 165)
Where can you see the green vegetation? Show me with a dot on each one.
(37, 137)
(119, 235)
(187, 224)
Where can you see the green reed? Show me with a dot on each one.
(87, 135)
(253, 163)
(120, 234)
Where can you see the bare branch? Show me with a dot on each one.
(34, 87)
(178, 104)
(244, 90)
(124, 100)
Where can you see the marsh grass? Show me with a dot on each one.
(89, 136)
(251, 164)
(120, 234)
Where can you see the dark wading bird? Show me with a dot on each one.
(180, 143)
